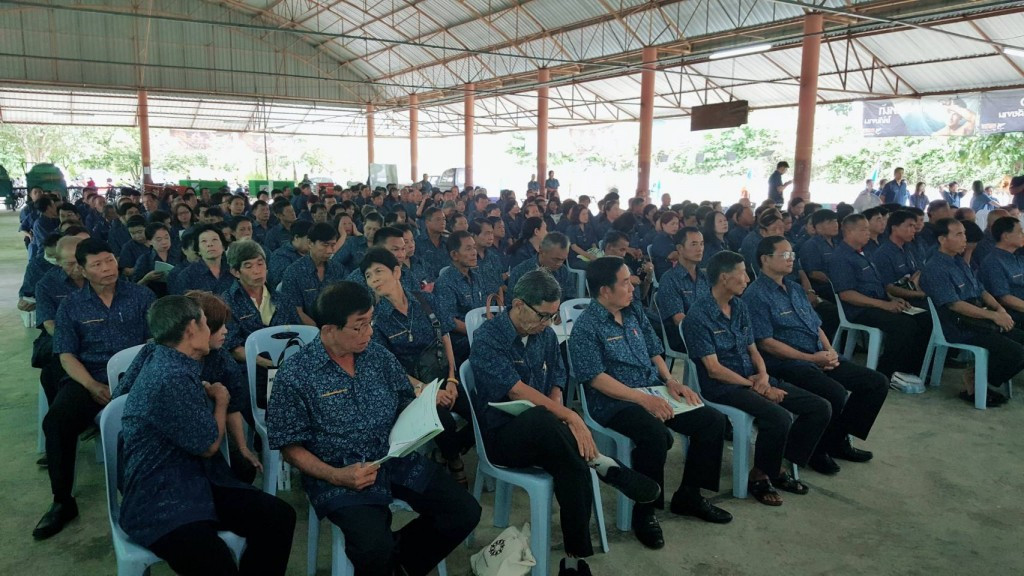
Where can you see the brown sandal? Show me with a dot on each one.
(763, 491)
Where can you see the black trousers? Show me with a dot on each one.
(854, 414)
(705, 428)
(906, 339)
(778, 435)
(537, 438)
(453, 441)
(447, 514)
(50, 376)
(72, 412)
(266, 522)
(675, 341)
(829, 315)
(1005, 353)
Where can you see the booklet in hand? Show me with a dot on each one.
(416, 425)
(678, 406)
(513, 407)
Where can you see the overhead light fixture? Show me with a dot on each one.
(1010, 51)
(741, 51)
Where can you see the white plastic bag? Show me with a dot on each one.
(507, 555)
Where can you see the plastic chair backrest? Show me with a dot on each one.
(691, 366)
(570, 310)
(839, 305)
(650, 254)
(443, 271)
(476, 317)
(581, 282)
(110, 431)
(466, 377)
(274, 341)
(664, 334)
(937, 333)
(119, 363)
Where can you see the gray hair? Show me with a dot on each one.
(554, 240)
(536, 287)
(243, 250)
(169, 316)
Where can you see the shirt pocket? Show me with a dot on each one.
(338, 411)
(94, 332)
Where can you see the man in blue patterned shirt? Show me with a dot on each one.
(552, 256)
(681, 285)
(431, 245)
(306, 277)
(331, 412)
(490, 264)
(92, 324)
(720, 338)
(969, 313)
(895, 261)
(797, 350)
(516, 356)
(172, 440)
(615, 351)
(460, 289)
(1002, 272)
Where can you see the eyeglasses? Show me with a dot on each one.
(359, 329)
(544, 317)
(785, 255)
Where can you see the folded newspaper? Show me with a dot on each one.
(416, 425)
(678, 406)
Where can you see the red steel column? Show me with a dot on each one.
(543, 76)
(813, 27)
(369, 133)
(643, 184)
(468, 112)
(414, 134)
(147, 176)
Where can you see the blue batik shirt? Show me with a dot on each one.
(599, 344)
(168, 425)
(279, 261)
(51, 290)
(850, 270)
(34, 272)
(785, 314)
(894, 262)
(351, 252)
(343, 420)
(707, 331)
(130, 253)
(566, 279)
(524, 252)
(1001, 273)
(490, 267)
(583, 236)
(276, 237)
(118, 235)
(816, 253)
(434, 257)
(245, 318)
(301, 285)
(457, 294)
(946, 280)
(500, 359)
(662, 246)
(408, 335)
(678, 290)
(92, 333)
(197, 276)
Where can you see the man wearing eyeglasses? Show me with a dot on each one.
(615, 352)
(515, 356)
(798, 351)
(331, 412)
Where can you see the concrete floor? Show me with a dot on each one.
(942, 496)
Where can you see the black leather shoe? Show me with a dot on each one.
(648, 531)
(55, 519)
(701, 508)
(43, 462)
(824, 464)
(848, 452)
(582, 569)
(632, 484)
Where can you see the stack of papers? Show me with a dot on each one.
(416, 425)
(678, 406)
(515, 407)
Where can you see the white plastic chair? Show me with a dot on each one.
(935, 358)
(340, 564)
(272, 341)
(581, 282)
(538, 485)
(847, 328)
(650, 254)
(569, 311)
(671, 354)
(476, 317)
(132, 559)
(119, 363)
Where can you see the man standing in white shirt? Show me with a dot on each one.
(868, 197)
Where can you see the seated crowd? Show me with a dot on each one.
(752, 295)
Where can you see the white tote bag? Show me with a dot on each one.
(507, 555)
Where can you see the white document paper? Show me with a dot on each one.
(678, 407)
(416, 425)
(162, 266)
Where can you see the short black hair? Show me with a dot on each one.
(942, 226)
(721, 263)
(680, 237)
(169, 316)
(782, 164)
(203, 228)
(455, 239)
(387, 232)
(875, 211)
(898, 217)
(614, 236)
(90, 247)
(373, 217)
(822, 216)
(135, 221)
(1002, 226)
(323, 232)
(152, 229)
(378, 255)
(852, 220)
(238, 220)
(339, 300)
(603, 273)
(280, 205)
(300, 229)
(767, 246)
(936, 205)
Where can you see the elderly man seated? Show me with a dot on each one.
(515, 356)
(615, 351)
(331, 412)
(797, 350)
(720, 338)
(970, 314)
(554, 250)
(178, 490)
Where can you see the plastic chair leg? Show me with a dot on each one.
(938, 363)
(503, 503)
(980, 380)
(874, 350)
(929, 355)
(540, 530)
(312, 542)
(271, 468)
(740, 457)
(599, 510)
(623, 505)
(850, 345)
